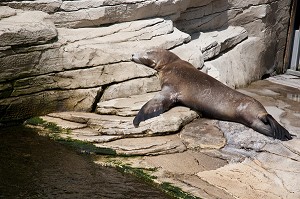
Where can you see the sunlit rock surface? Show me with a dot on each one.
(49, 47)
(75, 56)
(204, 157)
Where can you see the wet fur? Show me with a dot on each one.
(183, 84)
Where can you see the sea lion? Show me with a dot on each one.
(182, 83)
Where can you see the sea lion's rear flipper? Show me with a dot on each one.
(279, 131)
(270, 127)
(160, 103)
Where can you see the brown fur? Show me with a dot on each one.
(183, 84)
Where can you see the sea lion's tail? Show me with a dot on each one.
(278, 131)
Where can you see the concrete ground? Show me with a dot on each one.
(210, 158)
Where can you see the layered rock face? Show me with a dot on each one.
(71, 62)
(69, 55)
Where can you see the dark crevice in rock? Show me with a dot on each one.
(109, 4)
(54, 89)
(32, 45)
(224, 51)
(6, 90)
(61, 71)
(106, 86)
(97, 98)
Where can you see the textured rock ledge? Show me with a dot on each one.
(47, 56)
(48, 66)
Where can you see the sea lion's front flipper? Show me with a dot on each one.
(160, 103)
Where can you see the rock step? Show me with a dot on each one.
(128, 106)
(25, 28)
(157, 145)
(111, 127)
(118, 133)
(287, 80)
(214, 42)
(115, 125)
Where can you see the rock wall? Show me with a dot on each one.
(69, 55)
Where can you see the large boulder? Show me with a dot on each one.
(25, 28)
(241, 65)
(39, 57)
(48, 6)
(81, 60)
(86, 13)
(214, 42)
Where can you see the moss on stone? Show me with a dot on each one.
(175, 192)
(146, 174)
(37, 121)
(137, 172)
(86, 147)
(55, 131)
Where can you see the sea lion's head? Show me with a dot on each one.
(156, 58)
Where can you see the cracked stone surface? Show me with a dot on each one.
(202, 133)
(131, 87)
(25, 28)
(238, 59)
(241, 181)
(169, 122)
(146, 146)
(214, 42)
(128, 106)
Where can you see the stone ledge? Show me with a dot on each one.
(146, 146)
(196, 159)
(214, 42)
(26, 28)
(78, 14)
(124, 106)
(169, 122)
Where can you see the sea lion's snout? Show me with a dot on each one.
(143, 58)
(136, 58)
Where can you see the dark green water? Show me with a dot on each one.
(33, 166)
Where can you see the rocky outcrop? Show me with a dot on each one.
(265, 19)
(77, 62)
(241, 69)
(26, 28)
(205, 157)
(75, 56)
(78, 53)
(115, 118)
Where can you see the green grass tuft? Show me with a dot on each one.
(137, 172)
(86, 147)
(176, 192)
(83, 147)
(142, 173)
(35, 121)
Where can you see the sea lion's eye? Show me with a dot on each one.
(153, 64)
